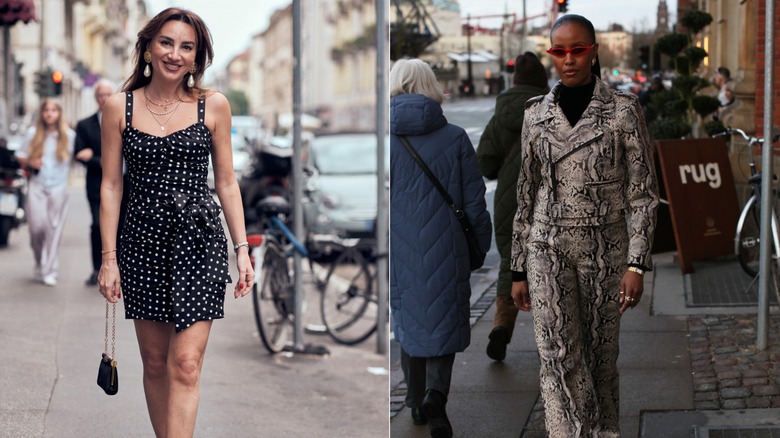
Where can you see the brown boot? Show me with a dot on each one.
(503, 326)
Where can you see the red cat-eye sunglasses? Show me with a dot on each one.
(560, 52)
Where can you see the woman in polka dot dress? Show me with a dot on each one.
(173, 264)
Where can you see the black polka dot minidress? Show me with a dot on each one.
(173, 259)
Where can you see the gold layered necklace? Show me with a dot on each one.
(165, 112)
(164, 105)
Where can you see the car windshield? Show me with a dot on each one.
(345, 154)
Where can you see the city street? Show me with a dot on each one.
(51, 339)
(688, 364)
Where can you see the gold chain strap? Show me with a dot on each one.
(113, 332)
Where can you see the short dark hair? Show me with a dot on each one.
(724, 72)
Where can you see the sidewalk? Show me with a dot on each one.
(684, 371)
(51, 340)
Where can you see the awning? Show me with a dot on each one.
(475, 57)
(12, 11)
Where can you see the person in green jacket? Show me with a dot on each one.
(499, 158)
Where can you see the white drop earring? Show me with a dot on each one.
(148, 59)
(193, 69)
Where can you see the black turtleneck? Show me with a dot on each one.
(574, 100)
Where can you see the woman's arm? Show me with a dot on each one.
(218, 119)
(111, 193)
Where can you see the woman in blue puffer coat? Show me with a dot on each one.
(429, 260)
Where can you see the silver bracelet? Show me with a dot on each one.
(239, 245)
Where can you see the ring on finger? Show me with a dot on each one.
(630, 299)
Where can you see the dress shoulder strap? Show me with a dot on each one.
(201, 109)
(129, 109)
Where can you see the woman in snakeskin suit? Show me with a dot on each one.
(587, 198)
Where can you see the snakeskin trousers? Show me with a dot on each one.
(574, 275)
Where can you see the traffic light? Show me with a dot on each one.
(44, 86)
(644, 56)
(56, 79)
(563, 5)
(510, 66)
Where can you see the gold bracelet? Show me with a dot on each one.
(106, 252)
(636, 270)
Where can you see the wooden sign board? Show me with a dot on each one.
(702, 197)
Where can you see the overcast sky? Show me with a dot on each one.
(632, 14)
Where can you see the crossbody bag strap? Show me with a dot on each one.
(431, 176)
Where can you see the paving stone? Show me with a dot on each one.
(754, 381)
(705, 396)
(735, 403)
(766, 390)
(730, 383)
(729, 375)
(757, 402)
(730, 393)
(707, 405)
(705, 387)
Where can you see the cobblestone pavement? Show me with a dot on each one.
(729, 372)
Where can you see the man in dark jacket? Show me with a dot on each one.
(88, 151)
(499, 158)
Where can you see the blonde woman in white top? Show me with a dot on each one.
(46, 154)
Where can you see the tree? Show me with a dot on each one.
(678, 107)
(239, 103)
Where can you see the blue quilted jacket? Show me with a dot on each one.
(429, 262)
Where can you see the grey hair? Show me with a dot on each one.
(413, 76)
(105, 82)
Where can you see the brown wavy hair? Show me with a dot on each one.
(36, 144)
(204, 53)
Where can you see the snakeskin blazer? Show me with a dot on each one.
(595, 173)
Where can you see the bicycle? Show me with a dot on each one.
(348, 290)
(273, 294)
(746, 240)
(349, 301)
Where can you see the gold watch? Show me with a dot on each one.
(637, 270)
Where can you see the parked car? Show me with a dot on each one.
(341, 184)
(266, 173)
(241, 156)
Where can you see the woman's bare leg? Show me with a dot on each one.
(185, 360)
(154, 340)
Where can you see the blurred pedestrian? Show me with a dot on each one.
(587, 198)
(721, 82)
(429, 262)
(646, 96)
(46, 153)
(174, 260)
(88, 152)
(499, 158)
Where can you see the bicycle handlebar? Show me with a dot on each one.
(750, 140)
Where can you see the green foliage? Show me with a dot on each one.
(672, 43)
(713, 127)
(669, 129)
(678, 107)
(695, 56)
(239, 103)
(705, 105)
(695, 21)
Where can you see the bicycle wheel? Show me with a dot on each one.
(272, 299)
(747, 242)
(348, 301)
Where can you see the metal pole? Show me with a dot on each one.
(470, 77)
(382, 122)
(8, 76)
(297, 173)
(765, 248)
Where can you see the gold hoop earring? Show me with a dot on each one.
(148, 59)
